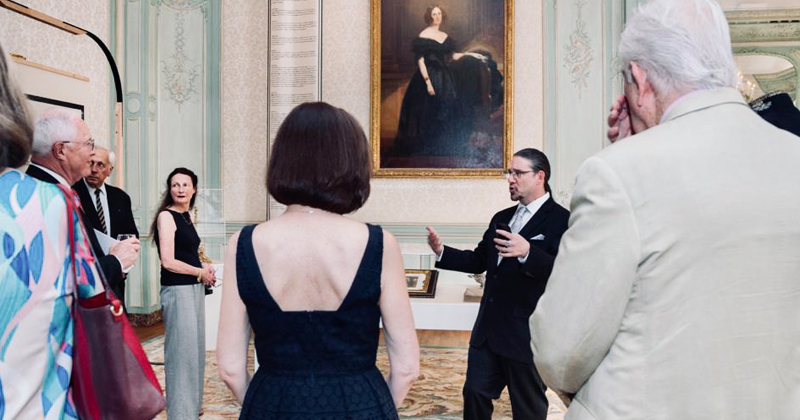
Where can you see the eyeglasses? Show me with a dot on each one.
(89, 143)
(513, 173)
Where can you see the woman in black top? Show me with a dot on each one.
(183, 278)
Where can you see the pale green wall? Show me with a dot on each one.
(167, 124)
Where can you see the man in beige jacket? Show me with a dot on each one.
(676, 290)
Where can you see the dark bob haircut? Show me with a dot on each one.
(429, 10)
(320, 158)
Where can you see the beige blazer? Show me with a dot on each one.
(676, 290)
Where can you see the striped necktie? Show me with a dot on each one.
(100, 213)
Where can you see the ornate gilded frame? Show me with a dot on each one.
(375, 111)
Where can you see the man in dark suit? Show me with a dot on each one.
(517, 253)
(62, 151)
(106, 208)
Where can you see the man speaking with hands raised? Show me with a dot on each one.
(517, 253)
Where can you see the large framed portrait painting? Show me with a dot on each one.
(442, 88)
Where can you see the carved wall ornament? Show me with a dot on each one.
(765, 32)
(180, 74)
(784, 81)
(184, 5)
(563, 196)
(578, 52)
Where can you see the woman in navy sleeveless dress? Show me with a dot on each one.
(314, 286)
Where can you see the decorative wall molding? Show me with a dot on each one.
(747, 32)
(578, 54)
(790, 53)
(769, 32)
(178, 42)
(184, 5)
(580, 80)
(563, 196)
(763, 16)
(181, 73)
(784, 81)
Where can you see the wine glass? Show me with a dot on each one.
(122, 237)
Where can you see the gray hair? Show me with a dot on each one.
(53, 126)
(682, 45)
(112, 157)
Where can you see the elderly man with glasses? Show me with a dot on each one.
(517, 254)
(107, 208)
(62, 154)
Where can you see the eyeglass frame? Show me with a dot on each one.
(508, 173)
(89, 142)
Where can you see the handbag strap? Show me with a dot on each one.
(73, 207)
(69, 198)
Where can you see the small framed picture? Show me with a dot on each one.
(421, 283)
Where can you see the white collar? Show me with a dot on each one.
(61, 180)
(535, 205)
(91, 188)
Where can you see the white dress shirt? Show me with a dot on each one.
(103, 202)
(533, 207)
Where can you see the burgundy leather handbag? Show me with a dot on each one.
(111, 376)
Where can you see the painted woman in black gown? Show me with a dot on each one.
(429, 116)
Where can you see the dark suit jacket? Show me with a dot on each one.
(119, 204)
(512, 289)
(120, 213)
(112, 269)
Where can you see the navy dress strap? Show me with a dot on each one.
(367, 282)
(252, 290)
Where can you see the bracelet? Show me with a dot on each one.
(200, 275)
(427, 79)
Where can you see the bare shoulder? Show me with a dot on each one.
(389, 241)
(165, 217)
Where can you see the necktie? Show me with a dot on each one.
(517, 222)
(100, 213)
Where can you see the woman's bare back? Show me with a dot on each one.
(309, 260)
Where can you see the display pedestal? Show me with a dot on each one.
(447, 311)
(213, 304)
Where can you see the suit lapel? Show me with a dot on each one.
(41, 175)
(113, 210)
(88, 203)
(537, 218)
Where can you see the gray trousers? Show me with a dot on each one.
(184, 349)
